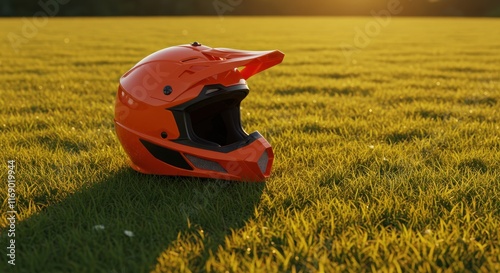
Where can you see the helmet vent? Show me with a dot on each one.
(166, 155)
(213, 58)
(205, 164)
(189, 59)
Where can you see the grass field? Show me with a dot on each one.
(388, 160)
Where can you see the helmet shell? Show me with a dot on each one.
(177, 113)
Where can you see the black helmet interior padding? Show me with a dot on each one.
(217, 120)
(212, 120)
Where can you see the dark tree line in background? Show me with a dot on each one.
(247, 7)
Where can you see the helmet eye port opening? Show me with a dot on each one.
(216, 121)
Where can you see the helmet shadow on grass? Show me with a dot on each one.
(160, 211)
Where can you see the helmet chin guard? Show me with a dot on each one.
(177, 112)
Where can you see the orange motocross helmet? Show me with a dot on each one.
(177, 112)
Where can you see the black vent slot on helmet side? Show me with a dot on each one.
(166, 155)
